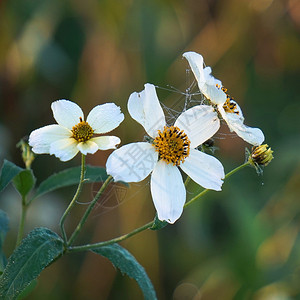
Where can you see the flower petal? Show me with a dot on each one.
(199, 123)
(144, 107)
(212, 88)
(66, 113)
(41, 139)
(106, 142)
(132, 162)
(168, 191)
(64, 149)
(88, 147)
(235, 122)
(204, 169)
(206, 82)
(196, 62)
(105, 117)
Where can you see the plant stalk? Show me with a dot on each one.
(22, 221)
(207, 190)
(112, 241)
(78, 191)
(88, 210)
(146, 226)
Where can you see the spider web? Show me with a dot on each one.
(116, 194)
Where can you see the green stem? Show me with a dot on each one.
(22, 222)
(78, 191)
(112, 241)
(237, 169)
(88, 210)
(146, 226)
(226, 176)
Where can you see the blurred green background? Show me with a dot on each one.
(241, 243)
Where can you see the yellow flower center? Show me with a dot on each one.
(82, 132)
(172, 144)
(229, 105)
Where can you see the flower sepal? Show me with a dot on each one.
(158, 224)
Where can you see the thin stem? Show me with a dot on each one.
(112, 241)
(144, 227)
(226, 176)
(237, 169)
(88, 210)
(22, 222)
(78, 191)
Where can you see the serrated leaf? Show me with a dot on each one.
(127, 264)
(4, 221)
(69, 177)
(8, 171)
(158, 224)
(35, 253)
(24, 182)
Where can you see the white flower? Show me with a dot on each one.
(230, 111)
(72, 134)
(172, 147)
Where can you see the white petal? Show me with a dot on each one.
(212, 88)
(105, 117)
(200, 123)
(144, 107)
(253, 136)
(106, 142)
(195, 61)
(66, 113)
(234, 117)
(87, 147)
(41, 139)
(231, 118)
(64, 149)
(206, 82)
(235, 122)
(204, 169)
(168, 191)
(132, 162)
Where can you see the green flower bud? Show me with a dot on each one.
(261, 155)
(27, 154)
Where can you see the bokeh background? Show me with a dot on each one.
(241, 243)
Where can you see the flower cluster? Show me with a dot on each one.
(171, 147)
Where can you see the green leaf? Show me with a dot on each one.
(69, 177)
(8, 171)
(24, 182)
(123, 260)
(29, 288)
(3, 230)
(158, 224)
(35, 253)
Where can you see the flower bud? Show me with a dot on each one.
(27, 154)
(261, 155)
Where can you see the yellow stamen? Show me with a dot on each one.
(229, 105)
(82, 132)
(172, 145)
